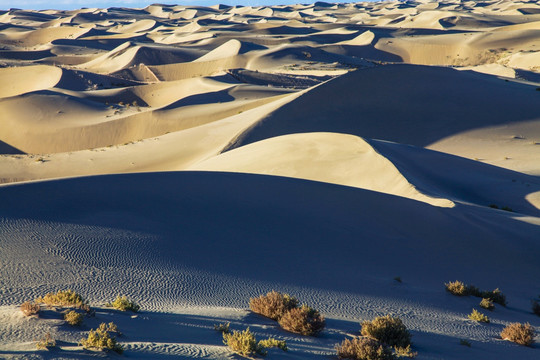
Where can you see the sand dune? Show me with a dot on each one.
(192, 157)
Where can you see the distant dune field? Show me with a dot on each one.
(358, 156)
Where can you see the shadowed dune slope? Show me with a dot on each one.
(389, 103)
(246, 227)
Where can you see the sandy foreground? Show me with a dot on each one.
(193, 157)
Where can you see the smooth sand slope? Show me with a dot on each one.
(147, 236)
(193, 157)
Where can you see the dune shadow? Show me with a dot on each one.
(389, 103)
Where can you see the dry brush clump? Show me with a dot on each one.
(535, 307)
(285, 310)
(303, 320)
(458, 288)
(73, 318)
(478, 316)
(122, 303)
(30, 309)
(487, 304)
(64, 298)
(273, 305)
(363, 348)
(522, 334)
(388, 330)
(101, 339)
(46, 342)
(245, 343)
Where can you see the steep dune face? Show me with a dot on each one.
(328, 157)
(390, 103)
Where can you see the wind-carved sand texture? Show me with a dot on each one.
(193, 157)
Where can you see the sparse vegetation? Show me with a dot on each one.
(73, 318)
(222, 328)
(456, 288)
(30, 309)
(273, 343)
(487, 304)
(303, 320)
(464, 342)
(273, 305)
(522, 334)
(242, 342)
(398, 279)
(245, 343)
(101, 339)
(535, 306)
(405, 352)
(122, 303)
(46, 342)
(64, 298)
(362, 348)
(388, 330)
(478, 316)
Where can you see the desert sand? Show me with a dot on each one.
(193, 157)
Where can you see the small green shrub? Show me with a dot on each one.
(46, 342)
(73, 318)
(222, 328)
(388, 330)
(496, 296)
(457, 288)
(535, 306)
(101, 339)
(303, 320)
(487, 304)
(465, 342)
(522, 334)
(64, 298)
(242, 342)
(478, 316)
(273, 343)
(273, 305)
(362, 348)
(29, 308)
(122, 303)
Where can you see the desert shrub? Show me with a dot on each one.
(101, 339)
(273, 343)
(303, 320)
(122, 303)
(464, 342)
(474, 291)
(46, 342)
(64, 298)
(29, 308)
(535, 306)
(222, 328)
(362, 348)
(487, 304)
(522, 334)
(73, 318)
(478, 316)
(273, 305)
(404, 352)
(242, 342)
(496, 296)
(388, 330)
(457, 288)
